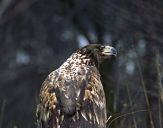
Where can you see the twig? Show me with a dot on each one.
(145, 91)
(127, 114)
(109, 118)
(160, 89)
(132, 109)
(145, 94)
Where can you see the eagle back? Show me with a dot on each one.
(72, 96)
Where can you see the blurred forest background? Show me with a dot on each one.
(36, 36)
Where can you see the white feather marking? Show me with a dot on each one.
(74, 119)
(54, 107)
(58, 126)
(84, 116)
(96, 102)
(94, 120)
(62, 117)
(57, 120)
(47, 115)
(78, 93)
(97, 119)
(59, 112)
(77, 115)
(90, 116)
(67, 96)
(101, 105)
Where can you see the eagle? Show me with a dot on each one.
(72, 96)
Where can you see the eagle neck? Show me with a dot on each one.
(76, 60)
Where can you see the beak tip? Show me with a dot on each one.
(114, 51)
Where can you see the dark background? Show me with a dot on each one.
(36, 36)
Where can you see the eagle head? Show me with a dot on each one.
(96, 53)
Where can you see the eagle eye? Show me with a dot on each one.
(101, 48)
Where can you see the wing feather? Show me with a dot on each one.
(75, 102)
(60, 98)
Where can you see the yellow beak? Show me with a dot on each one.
(109, 51)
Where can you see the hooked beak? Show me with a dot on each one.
(109, 51)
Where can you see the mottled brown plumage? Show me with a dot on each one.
(72, 96)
